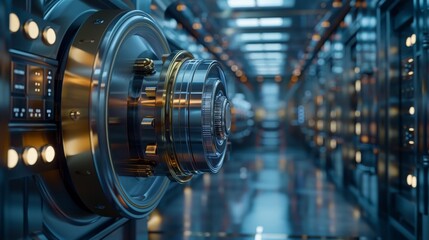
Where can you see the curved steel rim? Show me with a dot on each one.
(95, 178)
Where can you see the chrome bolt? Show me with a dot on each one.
(144, 66)
(98, 21)
(74, 115)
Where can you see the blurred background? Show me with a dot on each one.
(329, 130)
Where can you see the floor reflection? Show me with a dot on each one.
(259, 194)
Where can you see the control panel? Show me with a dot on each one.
(32, 89)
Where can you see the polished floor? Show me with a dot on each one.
(262, 192)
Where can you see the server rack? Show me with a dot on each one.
(399, 123)
(361, 150)
(379, 114)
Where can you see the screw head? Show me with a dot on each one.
(144, 66)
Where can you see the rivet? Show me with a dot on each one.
(151, 149)
(74, 115)
(98, 21)
(150, 92)
(148, 122)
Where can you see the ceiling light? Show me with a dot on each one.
(264, 47)
(274, 36)
(263, 22)
(181, 7)
(196, 26)
(208, 39)
(250, 36)
(316, 37)
(241, 3)
(260, 3)
(265, 62)
(266, 55)
(269, 70)
(246, 37)
(270, 22)
(326, 24)
(272, 3)
(247, 22)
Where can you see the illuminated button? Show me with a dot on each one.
(12, 158)
(48, 153)
(31, 29)
(30, 155)
(14, 23)
(49, 36)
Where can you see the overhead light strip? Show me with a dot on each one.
(263, 22)
(260, 3)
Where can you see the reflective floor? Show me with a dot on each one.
(261, 193)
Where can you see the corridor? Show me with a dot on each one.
(261, 193)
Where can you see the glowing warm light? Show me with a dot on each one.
(319, 124)
(411, 129)
(326, 24)
(30, 156)
(154, 221)
(412, 110)
(358, 157)
(12, 158)
(297, 72)
(413, 39)
(409, 179)
(364, 139)
(410, 60)
(208, 39)
(356, 213)
(357, 113)
(358, 128)
(278, 78)
(181, 7)
(358, 85)
(14, 23)
(234, 68)
(333, 143)
(48, 154)
(408, 42)
(414, 182)
(357, 70)
(196, 26)
(316, 37)
(294, 79)
(333, 126)
(319, 100)
(337, 4)
(31, 29)
(49, 36)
